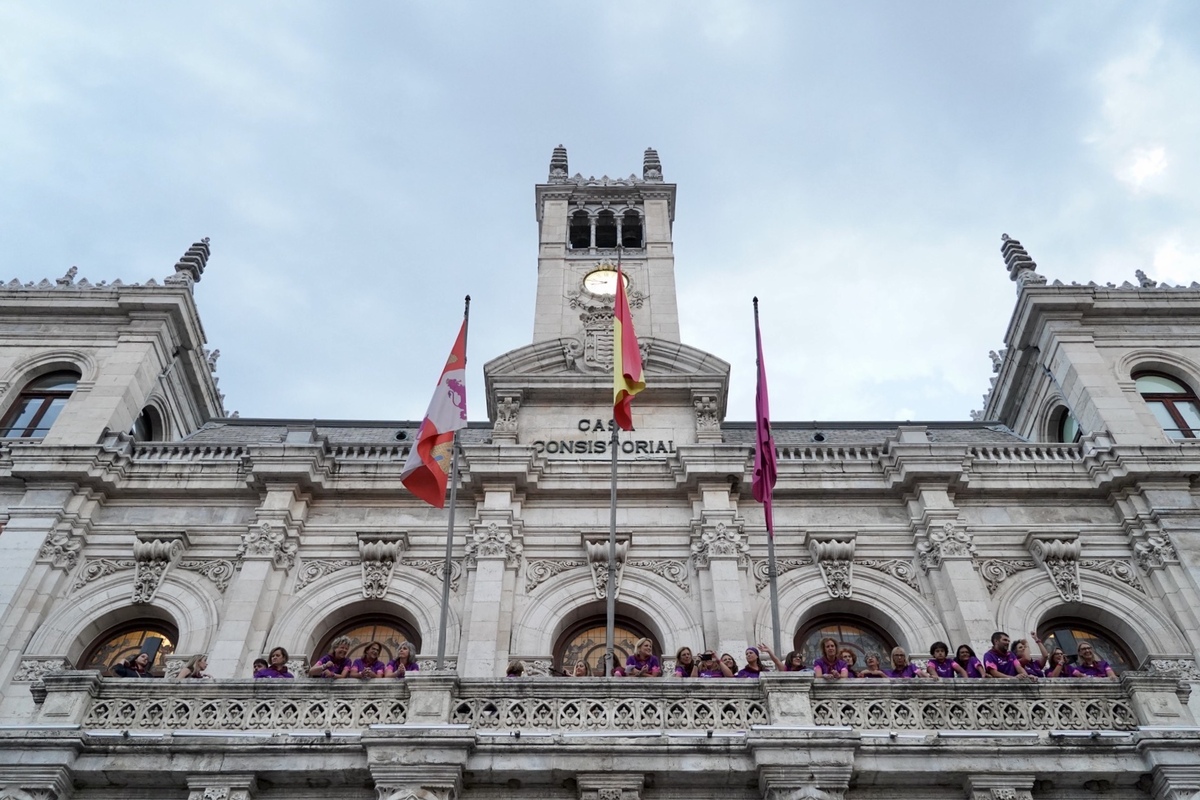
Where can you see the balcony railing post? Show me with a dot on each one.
(429, 698)
(789, 700)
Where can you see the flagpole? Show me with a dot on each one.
(610, 592)
(772, 571)
(447, 565)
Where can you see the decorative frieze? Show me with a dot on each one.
(1184, 668)
(537, 572)
(315, 569)
(218, 570)
(378, 554)
(674, 571)
(62, 549)
(211, 709)
(1115, 568)
(32, 669)
(608, 713)
(834, 556)
(269, 541)
(995, 571)
(414, 792)
(899, 568)
(153, 555)
(99, 568)
(762, 569)
(219, 793)
(943, 542)
(720, 541)
(493, 541)
(1058, 555)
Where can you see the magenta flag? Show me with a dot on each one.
(764, 444)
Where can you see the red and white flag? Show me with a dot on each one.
(428, 465)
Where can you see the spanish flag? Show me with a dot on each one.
(627, 359)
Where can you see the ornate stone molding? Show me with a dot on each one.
(708, 422)
(319, 568)
(596, 548)
(219, 793)
(899, 568)
(808, 792)
(269, 541)
(493, 541)
(609, 785)
(720, 541)
(434, 567)
(942, 543)
(94, 570)
(378, 555)
(234, 786)
(1058, 555)
(1155, 551)
(537, 572)
(12, 792)
(674, 571)
(1115, 568)
(834, 556)
(414, 792)
(1184, 668)
(761, 569)
(153, 555)
(218, 570)
(995, 571)
(62, 549)
(507, 409)
(31, 670)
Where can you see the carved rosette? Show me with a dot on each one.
(835, 558)
(807, 793)
(597, 557)
(269, 541)
(61, 549)
(1060, 559)
(1002, 793)
(1155, 551)
(720, 541)
(378, 555)
(493, 541)
(610, 786)
(943, 543)
(152, 558)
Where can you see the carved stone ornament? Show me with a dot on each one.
(1003, 793)
(435, 567)
(1184, 668)
(1155, 552)
(537, 572)
(94, 570)
(835, 558)
(493, 542)
(506, 415)
(1060, 559)
(706, 414)
(674, 571)
(597, 556)
(152, 558)
(218, 570)
(269, 541)
(414, 792)
(807, 793)
(379, 555)
(994, 571)
(315, 569)
(762, 569)
(61, 549)
(33, 669)
(1116, 568)
(11, 792)
(899, 568)
(720, 541)
(942, 543)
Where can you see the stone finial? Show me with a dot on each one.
(194, 260)
(558, 165)
(1021, 268)
(1144, 280)
(69, 278)
(651, 166)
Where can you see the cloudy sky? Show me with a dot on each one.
(361, 166)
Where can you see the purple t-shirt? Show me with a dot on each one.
(974, 667)
(1034, 668)
(1097, 670)
(747, 673)
(909, 671)
(395, 667)
(1004, 664)
(333, 664)
(651, 664)
(682, 671)
(943, 669)
(360, 667)
(271, 672)
(830, 669)
(711, 673)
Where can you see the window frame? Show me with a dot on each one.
(1097, 632)
(855, 620)
(46, 398)
(147, 626)
(636, 629)
(407, 632)
(1167, 400)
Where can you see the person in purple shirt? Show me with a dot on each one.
(685, 663)
(829, 665)
(1056, 665)
(871, 667)
(848, 656)
(643, 663)
(369, 666)
(406, 661)
(1088, 666)
(902, 667)
(276, 665)
(1001, 662)
(941, 665)
(334, 664)
(1033, 666)
(753, 666)
(710, 667)
(965, 658)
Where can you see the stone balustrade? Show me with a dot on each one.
(599, 704)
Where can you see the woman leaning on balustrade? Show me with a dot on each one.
(195, 668)
(334, 664)
(643, 663)
(406, 661)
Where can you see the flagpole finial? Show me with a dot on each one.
(467, 304)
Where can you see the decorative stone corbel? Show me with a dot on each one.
(493, 541)
(834, 554)
(1176, 782)
(40, 782)
(153, 554)
(820, 782)
(944, 541)
(609, 785)
(227, 786)
(708, 422)
(1154, 551)
(61, 549)
(596, 547)
(265, 540)
(508, 407)
(379, 553)
(720, 541)
(1058, 554)
(434, 782)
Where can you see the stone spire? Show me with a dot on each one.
(1021, 268)
(192, 262)
(651, 166)
(558, 165)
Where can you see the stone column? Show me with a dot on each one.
(720, 552)
(267, 554)
(493, 555)
(224, 786)
(1001, 786)
(945, 551)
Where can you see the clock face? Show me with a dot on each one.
(603, 282)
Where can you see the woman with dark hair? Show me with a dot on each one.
(940, 665)
(964, 656)
(334, 664)
(276, 665)
(847, 655)
(1056, 665)
(406, 661)
(369, 666)
(753, 666)
(685, 663)
(133, 667)
(829, 665)
(793, 662)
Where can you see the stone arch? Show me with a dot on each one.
(326, 603)
(22, 372)
(904, 614)
(78, 619)
(1029, 598)
(569, 596)
(157, 403)
(1153, 359)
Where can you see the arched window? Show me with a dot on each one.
(860, 636)
(388, 631)
(586, 641)
(38, 405)
(1066, 427)
(1070, 633)
(580, 231)
(127, 640)
(631, 229)
(1175, 406)
(606, 229)
(148, 426)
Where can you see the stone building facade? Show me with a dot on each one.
(138, 516)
